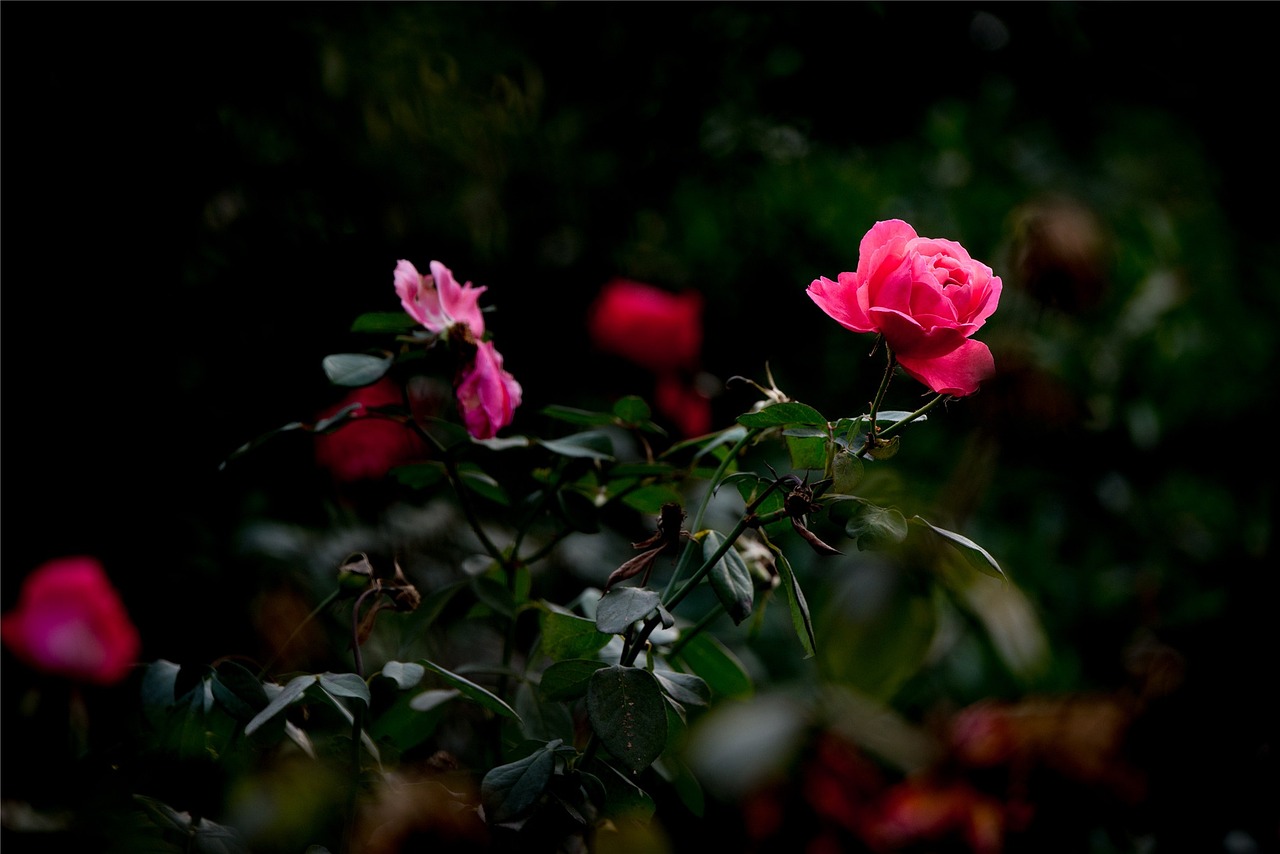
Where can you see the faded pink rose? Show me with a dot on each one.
(926, 296)
(487, 395)
(367, 447)
(437, 301)
(654, 328)
(69, 620)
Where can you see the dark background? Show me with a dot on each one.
(199, 198)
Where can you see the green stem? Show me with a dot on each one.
(912, 417)
(686, 556)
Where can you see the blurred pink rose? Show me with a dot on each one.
(654, 328)
(364, 447)
(437, 301)
(926, 296)
(69, 620)
(487, 395)
(921, 811)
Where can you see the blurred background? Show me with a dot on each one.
(200, 198)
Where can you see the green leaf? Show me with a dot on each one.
(807, 453)
(632, 411)
(158, 683)
(846, 471)
(649, 499)
(686, 688)
(483, 696)
(345, 685)
(578, 416)
(622, 606)
(591, 444)
(542, 719)
(383, 322)
(800, 617)
(355, 369)
(974, 554)
(420, 475)
(291, 692)
(509, 791)
(876, 527)
(730, 578)
(567, 636)
(718, 667)
(780, 414)
(482, 484)
(567, 680)
(237, 690)
(406, 674)
(628, 714)
(621, 795)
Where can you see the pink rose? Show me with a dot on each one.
(926, 296)
(69, 620)
(487, 395)
(682, 402)
(656, 329)
(364, 447)
(437, 301)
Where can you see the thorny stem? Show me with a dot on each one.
(879, 398)
(714, 614)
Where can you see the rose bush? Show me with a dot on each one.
(926, 297)
(70, 621)
(367, 448)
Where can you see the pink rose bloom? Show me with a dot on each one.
(653, 328)
(926, 296)
(684, 404)
(365, 447)
(437, 301)
(487, 395)
(69, 620)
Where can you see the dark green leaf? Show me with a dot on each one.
(649, 499)
(974, 554)
(542, 719)
(291, 692)
(876, 527)
(718, 667)
(622, 606)
(158, 683)
(482, 484)
(628, 714)
(632, 410)
(592, 444)
(238, 691)
(406, 674)
(383, 322)
(800, 618)
(567, 680)
(509, 791)
(420, 475)
(779, 414)
(355, 369)
(578, 416)
(567, 636)
(483, 696)
(807, 453)
(684, 688)
(730, 578)
(345, 685)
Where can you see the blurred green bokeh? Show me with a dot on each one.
(200, 198)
